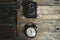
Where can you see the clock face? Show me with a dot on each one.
(31, 32)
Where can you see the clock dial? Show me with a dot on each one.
(31, 32)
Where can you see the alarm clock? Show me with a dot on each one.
(30, 30)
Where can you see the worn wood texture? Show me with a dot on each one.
(47, 21)
(48, 2)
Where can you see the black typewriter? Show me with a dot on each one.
(8, 18)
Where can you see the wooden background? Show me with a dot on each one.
(47, 21)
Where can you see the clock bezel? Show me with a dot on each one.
(30, 26)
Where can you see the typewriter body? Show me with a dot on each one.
(8, 18)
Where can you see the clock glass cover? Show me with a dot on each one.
(31, 32)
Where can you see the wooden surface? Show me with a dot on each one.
(47, 21)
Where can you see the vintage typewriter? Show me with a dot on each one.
(8, 18)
